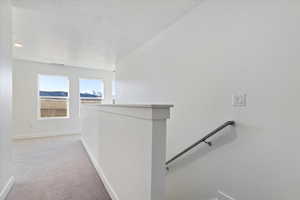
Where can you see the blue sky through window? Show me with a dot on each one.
(91, 86)
(53, 83)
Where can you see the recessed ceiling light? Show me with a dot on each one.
(18, 45)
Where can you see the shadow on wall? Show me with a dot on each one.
(223, 138)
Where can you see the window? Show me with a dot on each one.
(91, 91)
(53, 96)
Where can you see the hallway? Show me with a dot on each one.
(55, 168)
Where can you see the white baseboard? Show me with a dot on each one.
(39, 135)
(4, 192)
(100, 172)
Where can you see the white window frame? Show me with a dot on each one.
(38, 97)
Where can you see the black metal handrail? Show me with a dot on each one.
(228, 123)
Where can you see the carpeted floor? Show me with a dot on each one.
(54, 169)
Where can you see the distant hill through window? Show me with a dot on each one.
(65, 94)
(88, 95)
(53, 94)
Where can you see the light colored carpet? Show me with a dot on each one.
(55, 169)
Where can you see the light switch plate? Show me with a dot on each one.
(239, 100)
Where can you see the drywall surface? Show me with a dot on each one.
(219, 49)
(5, 93)
(25, 85)
(127, 145)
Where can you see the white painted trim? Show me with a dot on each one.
(137, 112)
(154, 106)
(39, 135)
(6, 189)
(100, 172)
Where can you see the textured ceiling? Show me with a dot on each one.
(89, 33)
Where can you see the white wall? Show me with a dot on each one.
(127, 145)
(25, 113)
(5, 93)
(218, 49)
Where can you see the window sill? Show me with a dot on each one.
(52, 118)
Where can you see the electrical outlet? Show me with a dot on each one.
(239, 100)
